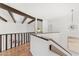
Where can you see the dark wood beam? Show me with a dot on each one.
(31, 21)
(24, 20)
(39, 20)
(12, 16)
(6, 7)
(3, 19)
(34, 20)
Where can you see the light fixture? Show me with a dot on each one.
(72, 26)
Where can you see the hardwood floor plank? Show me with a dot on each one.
(73, 44)
(22, 50)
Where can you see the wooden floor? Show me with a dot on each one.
(73, 44)
(22, 50)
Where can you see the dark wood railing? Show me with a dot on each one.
(16, 39)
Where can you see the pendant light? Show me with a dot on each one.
(72, 21)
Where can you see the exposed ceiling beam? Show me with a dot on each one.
(12, 16)
(24, 19)
(3, 19)
(6, 7)
(31, 21)
(39, 19)
(34, 20)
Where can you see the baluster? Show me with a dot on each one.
(24, 38)
(0, 43)
(6, 41)
(29, 37)
(18, 39)
(11, 41)
(21, 38)
(15, 40)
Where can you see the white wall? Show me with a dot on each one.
(10, 26)
(45, 25)
(13, 28)
(59, 24)
(31, 27)
(62, 24)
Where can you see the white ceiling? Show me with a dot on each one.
(46, 10)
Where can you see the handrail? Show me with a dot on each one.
(40, 37)
(52, 41)
(17, 33)
(59, 46)
(56, 50)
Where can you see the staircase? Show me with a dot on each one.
(43, 46)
